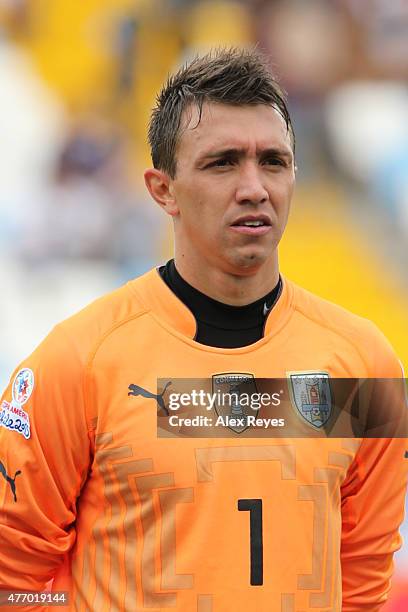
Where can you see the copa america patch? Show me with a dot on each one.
(310, 394)
(23, 386)
(12, 414)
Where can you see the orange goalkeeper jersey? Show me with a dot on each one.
(127, 520)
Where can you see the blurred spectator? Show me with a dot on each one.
(31, 126)
(307, 41)
(308, 45)
(380, 37)
(13, 15)
(91, 209)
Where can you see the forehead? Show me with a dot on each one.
(223, 125)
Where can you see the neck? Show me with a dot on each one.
(229, 287)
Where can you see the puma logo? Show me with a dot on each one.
(136, 390)
(11, 481)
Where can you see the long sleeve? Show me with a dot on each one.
(373, 500)
(45, 453)
(372, 510)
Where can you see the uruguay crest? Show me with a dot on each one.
(310, 394)
(233, 399)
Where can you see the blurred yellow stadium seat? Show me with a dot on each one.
(217, 23)
(324, 251)
(69, 42)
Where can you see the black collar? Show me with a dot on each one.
(220, 324)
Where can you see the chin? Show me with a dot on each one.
(249, 262)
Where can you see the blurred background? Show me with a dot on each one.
(77, 82)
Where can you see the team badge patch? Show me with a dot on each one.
(232, 399)
(310, 394)
(12, 414)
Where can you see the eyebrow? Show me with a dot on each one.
(239, 153)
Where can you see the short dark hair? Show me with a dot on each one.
(227, 76)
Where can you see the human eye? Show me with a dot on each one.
(274, 161)
(222, 162)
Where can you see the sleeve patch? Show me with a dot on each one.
(12, 414)
(23, 386)
(15, 418)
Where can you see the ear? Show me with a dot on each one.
(159, 186)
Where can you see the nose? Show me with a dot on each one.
(250, 188)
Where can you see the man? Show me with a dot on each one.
(128, 517)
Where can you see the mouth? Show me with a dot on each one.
(252, 225)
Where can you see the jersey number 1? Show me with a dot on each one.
(254, 507)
